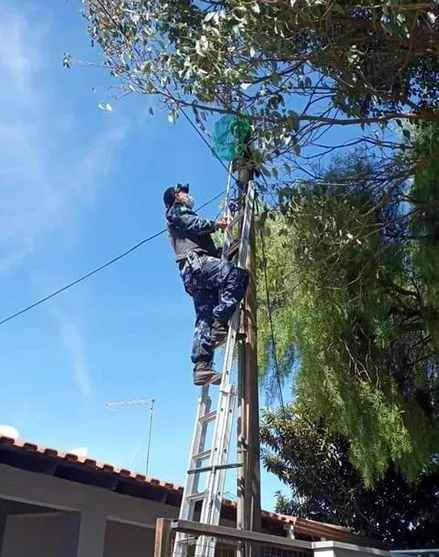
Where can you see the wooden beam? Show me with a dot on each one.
(163, 531)
(256, 538)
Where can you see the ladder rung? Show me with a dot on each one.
(236, 219)
(199, 496)
(232, 249)
(208, 417)
(215, 468)
(203, 455)
(211, 465)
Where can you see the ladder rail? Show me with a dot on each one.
(211, 509)
(228, 190)
(187, 507)
(223, 417)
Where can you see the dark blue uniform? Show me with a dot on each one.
(216, 286)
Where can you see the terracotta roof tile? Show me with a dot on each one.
(70, 457)
(309, 527)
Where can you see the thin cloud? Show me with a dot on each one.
(68, 326)
(75, 344)
(51, 161)
(47, 171)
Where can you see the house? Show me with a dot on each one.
(55, 504)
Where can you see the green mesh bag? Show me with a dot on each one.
(230, 137)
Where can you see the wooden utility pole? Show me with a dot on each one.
(249, 480)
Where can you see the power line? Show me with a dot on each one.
(273, 343)
(122, 255)
(272, 335)
(97, 270)
(271, 325)
(267, 293)
(206, 142)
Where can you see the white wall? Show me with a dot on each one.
(340, 549)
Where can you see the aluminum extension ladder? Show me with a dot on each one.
(221, 418)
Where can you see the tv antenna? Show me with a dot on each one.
(140, 402)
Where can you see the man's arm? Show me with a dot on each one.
(186, 220)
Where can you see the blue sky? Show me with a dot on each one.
(78, 186)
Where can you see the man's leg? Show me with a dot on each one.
(202, 351)
(231, 280)
(233, 291)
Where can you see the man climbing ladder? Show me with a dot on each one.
(216, 285)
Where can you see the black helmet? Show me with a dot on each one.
(170, 193)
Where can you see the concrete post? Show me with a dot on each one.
(86, 534)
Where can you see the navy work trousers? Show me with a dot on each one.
(217, 287)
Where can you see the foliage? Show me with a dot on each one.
(324, 485)
(351, 314)
(353, 262)
(294, 68)
(425, 225)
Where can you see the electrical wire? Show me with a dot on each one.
(188, 118)
(97, 269)
(267, 293)
(272, 333)
(156, 235)
(273, 339)
(279, 429)
(124, 254)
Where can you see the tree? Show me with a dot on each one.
(352, 315)
(324, 485)
(354, 300)
(294, 68)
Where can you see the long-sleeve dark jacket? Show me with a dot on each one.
(187, 231)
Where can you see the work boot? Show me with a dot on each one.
(204, 373)
(220, 330)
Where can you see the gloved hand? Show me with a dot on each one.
(222, 223)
